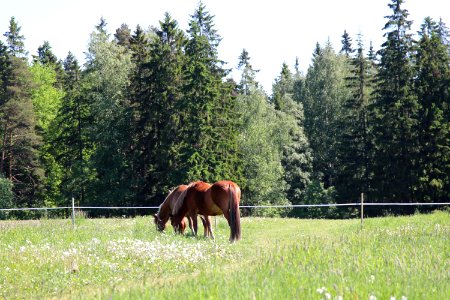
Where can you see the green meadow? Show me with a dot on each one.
(389, 258)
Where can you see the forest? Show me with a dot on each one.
(152, 109)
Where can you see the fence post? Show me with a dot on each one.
(362, 209)
(73, 212)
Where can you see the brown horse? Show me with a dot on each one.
(165, 210)
(210, 200)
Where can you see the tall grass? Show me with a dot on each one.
(393, 257)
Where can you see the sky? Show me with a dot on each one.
(272, 32)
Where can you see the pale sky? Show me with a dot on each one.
(273, 32)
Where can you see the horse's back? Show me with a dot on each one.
(220, 192)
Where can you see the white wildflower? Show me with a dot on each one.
(321, 290)
(404, 298)
(372, 297)
(327, 296)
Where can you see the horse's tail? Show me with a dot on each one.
(235, 218)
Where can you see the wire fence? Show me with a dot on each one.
(358, 204)
(72, 209)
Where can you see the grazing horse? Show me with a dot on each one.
(203, 198)
(165, 210)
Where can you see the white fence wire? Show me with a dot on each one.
(241, 206)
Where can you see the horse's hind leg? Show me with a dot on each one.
(208, 225)
(206, 220)
(205, 228)
(190, 223)
(194, 223)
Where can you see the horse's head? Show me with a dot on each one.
(179, 225)
(160, 224)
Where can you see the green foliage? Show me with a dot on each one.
(355, 143)
(262, 135)
(46, 98)
(395, 110)
(322, 97)
(248, 83)
(15, 40)
(154, 109)
(47, 103)
(208, 140)
(316, 193)
(71, 145)
(431, 85)
(107, 73)
(19, 145)
(297, 156)
(6, 196)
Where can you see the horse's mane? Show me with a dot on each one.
(164, 203)
(180, 201)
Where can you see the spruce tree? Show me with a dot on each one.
(138, 96)
(72, 146)
(159, 114)
(248, 83)
(354, 146)
(346, 44)
(282, 88)
(208, 144)
(396, 109)
(431, 86)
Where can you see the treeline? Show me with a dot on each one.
(152, 109)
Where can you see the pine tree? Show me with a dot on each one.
(15, 40)
(123, 35)
(19, 161)
(396, 112)
(5, 68)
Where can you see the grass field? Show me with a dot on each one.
(392, 257)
